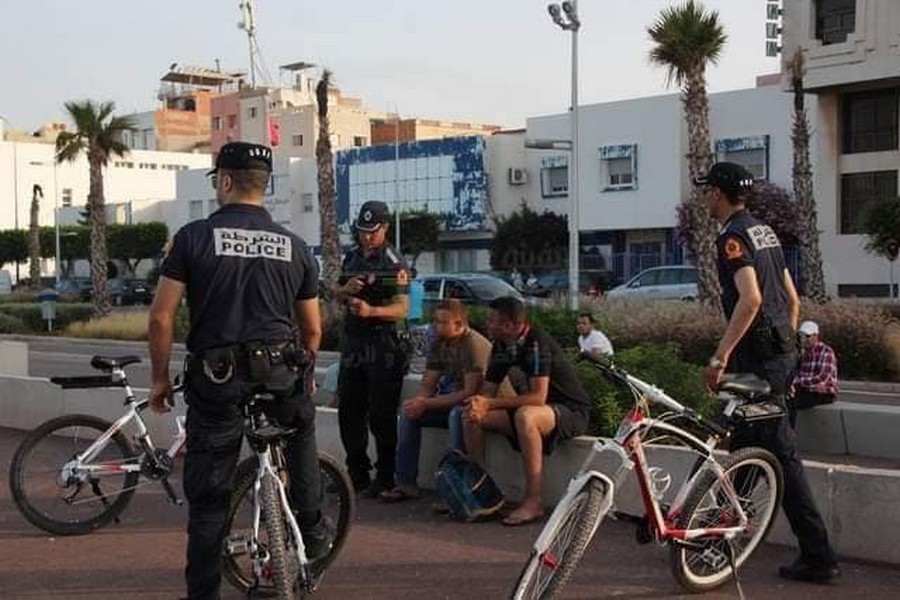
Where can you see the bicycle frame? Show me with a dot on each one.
(628, 448)
(81, 463)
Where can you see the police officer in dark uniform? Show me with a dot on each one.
(374, 283)
(245, 277)
(762, 307)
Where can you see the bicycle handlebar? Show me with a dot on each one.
(650, 391)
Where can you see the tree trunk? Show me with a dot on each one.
(328, 227)
(97, 209)
(700, 159)
(34, 240)
(812, 279)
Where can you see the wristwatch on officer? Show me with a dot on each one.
(716, 363)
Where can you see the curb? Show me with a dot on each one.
(885, 387)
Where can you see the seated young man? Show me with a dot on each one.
(454, 370)
(553, 407)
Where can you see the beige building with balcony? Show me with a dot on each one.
(852, 50)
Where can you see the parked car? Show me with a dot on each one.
(121, 291)
(660, 283)
(475, 289)
(77, 289)
(593, 283)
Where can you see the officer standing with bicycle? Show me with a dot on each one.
(245, 278)
(762, 308)
(375, 285)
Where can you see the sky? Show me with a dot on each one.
(488, 61)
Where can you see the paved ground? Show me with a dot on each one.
(394, 551)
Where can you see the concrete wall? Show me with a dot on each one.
(860, 506)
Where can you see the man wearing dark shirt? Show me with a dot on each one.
(246, 278)
(554, 407)
(762, 308)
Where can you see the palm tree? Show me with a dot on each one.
(812, 280)
(328, 228)
(34, 239)
(687, 38)
(98, 134)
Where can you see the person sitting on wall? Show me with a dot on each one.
(816, 381)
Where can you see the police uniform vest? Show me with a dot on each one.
(746, 242)
(243, 274)
(385, 276)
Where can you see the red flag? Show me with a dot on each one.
(274, 132)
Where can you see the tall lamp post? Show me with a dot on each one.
(566, 16)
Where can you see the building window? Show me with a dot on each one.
(870, 120)
(217, 123)
(618, 167)
(858, 190)
(231, 120)
(297, 139)
(196, 210)
(359, 141)
(554, 176)
(306, 201)
(211, 206)
(67, 196)
(834, 20)
(251, 112)
(751, 152)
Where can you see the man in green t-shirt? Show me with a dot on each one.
(454, 370)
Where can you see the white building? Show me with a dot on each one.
(137, 188)
(852, 50)
(632, 170)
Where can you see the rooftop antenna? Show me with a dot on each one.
(248, 24)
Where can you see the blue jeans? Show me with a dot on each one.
(409, 440)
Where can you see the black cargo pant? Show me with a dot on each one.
(369, 388)
(214, 436)
(779, 438)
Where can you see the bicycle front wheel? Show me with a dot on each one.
(66, 499)
(547, 572)
(704, 564)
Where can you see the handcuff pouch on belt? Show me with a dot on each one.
(253, 361)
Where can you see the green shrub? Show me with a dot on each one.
(657, 364)
(30, 315)
(11, 324)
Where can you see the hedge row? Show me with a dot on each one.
(32, 321)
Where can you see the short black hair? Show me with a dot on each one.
(587, 316)
(509, 307)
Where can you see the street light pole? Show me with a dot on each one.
(566, 16)
(58, 260)
(397, 178)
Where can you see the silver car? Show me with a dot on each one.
(660, 283)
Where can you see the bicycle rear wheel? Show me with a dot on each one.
(338, 504)
(546, 573)
(277, 568)
(704, 564)
(77, 501)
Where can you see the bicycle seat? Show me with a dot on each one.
(108, 363)
(745, 384)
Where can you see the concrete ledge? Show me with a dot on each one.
(860, 506)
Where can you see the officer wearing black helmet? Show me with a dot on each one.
(246, 279)
(374, 283)
(762, 308)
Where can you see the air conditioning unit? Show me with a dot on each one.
(518, 176)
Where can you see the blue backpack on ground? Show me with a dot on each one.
(467, 488)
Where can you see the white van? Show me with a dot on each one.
(5, 282)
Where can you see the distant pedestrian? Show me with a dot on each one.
(816, 381)
(590, 339)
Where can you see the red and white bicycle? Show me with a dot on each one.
(717, 518)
